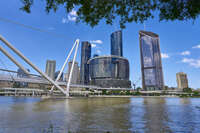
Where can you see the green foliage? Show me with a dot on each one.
(187, 90)
(16, 85)
(137, 93)
(196, 93)
(92, 11)
(138, 88)
(127, 92)
(103, 92)
(166, 88)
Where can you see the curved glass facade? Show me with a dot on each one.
(109, 67)
(151, 64)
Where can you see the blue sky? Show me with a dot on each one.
(179, 40)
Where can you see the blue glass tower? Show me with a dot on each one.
(116, 43)
(151, 64)
(85, 56)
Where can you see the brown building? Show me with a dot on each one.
(50, 68)
(75, 79)
(182, 81)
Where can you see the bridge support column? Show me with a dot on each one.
(71, 71)
(63, 67)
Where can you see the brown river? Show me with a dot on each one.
(99, 115)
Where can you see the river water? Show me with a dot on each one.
(99, 115)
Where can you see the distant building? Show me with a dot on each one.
(116, 43)
(182, 81)
(111, 71)
(85, 56)
(21, 73)
(75, 79)
(151, 64)
(56, 75)
(95, 55)
(50, 68)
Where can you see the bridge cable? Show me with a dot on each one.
(8, 72)
(31, 27)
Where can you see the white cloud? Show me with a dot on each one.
(96, 41)
(192, 62)
(164, 55)
(197, 46)
(185, 53)
(72, 16)
(93, 45)
(98, 51)
(73, 13)
(147, 60)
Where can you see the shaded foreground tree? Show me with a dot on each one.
(92, 11)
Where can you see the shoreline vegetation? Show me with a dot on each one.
(186, 92)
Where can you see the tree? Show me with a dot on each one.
(166, 88)
(138, 88)
(92, 11)
(188, 90)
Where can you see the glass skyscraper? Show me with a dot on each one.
(85, 56)
(151, 64)
(116, 43)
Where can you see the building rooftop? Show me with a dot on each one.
(148, 33)
(107, 56)
(181, 73)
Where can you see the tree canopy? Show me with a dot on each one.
(93, 11)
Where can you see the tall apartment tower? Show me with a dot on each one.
(151, 63)
(75, 79)
(182, 80)
(50, 68)
(116, 43)
(85, 56)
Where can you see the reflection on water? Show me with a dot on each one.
(88, 115)
(156, 115)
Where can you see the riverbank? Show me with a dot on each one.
(119, 96)
(105, 96)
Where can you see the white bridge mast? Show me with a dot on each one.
(32, 65)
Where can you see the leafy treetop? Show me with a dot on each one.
(92, 11)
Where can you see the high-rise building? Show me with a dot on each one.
(50, 68)
(56, 75)
(151, 63)
(181, 79)
(75, 79)
(21, 73)
(109, 71)
(85, 56)
(116, 43)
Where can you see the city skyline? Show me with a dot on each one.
(178, 41)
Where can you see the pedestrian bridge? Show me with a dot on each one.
(39, 80)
